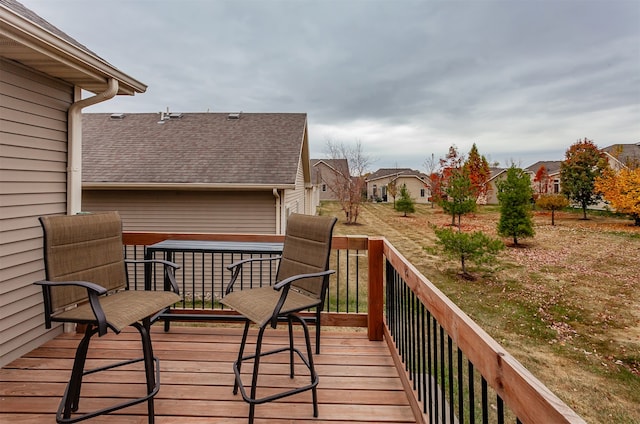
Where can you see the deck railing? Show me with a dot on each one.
(453, 371)
(202, 276)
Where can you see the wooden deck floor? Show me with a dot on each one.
(358, 381)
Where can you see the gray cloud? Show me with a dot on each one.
(522, 79)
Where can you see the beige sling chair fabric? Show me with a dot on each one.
(301, 283)
(86, 283)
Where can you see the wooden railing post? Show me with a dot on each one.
(376, 289)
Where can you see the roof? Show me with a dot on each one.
(626, 154)
(28, 39)
(552, 166)
(254, 150)
(338, 165)
(395, 172)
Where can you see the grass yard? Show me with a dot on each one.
(565, 303)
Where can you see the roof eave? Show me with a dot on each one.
(80, 67)
(185, 186)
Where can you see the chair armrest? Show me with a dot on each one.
(93, 292)
(236, 267)
(284, 284)
(290, 280)
(169, 269)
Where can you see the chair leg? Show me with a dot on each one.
(291, 350)
(72, 394)
(318, 330)
(254, 378)
(312, 369)
(147, 350)
(247, 323)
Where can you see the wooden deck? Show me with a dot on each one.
(358, 380)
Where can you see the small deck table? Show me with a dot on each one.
(170, 247)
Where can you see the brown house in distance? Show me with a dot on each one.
(198, 172)
(324, 173)
(417, 184)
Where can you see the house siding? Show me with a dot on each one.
(33, 163)
(187, 211)
(295, 199)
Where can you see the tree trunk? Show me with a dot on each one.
(515, 240)
(464, 268)
(553, 213)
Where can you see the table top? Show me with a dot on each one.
(216, 246)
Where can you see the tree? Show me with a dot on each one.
(392, 189)
(405, 203)
(583, 163)
(450, 164)
(514, 195)
(477, 167)
(553, 203)
(431, 165)
(349, 188)
(542, 181)
(476, 247)
(622, 191)
(460, 197)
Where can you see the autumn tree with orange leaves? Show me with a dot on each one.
(477, 168)
(622, 191)
(541, 179)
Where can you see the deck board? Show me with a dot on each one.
(358, 381)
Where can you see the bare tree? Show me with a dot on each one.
(349, 187)
(431, 164)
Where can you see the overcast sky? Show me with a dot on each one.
(523, 79)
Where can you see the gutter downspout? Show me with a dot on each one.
(278, 218)
(74, 149)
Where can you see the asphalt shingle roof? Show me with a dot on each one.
(207, 148)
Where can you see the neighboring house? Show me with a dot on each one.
(549, 185)
(497, 174)
(325, 173)
(417, 184)
(42, 72)
(198, 172)
(623, 155)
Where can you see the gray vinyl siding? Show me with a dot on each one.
(246, 212)
(33, 162)
(295, 199)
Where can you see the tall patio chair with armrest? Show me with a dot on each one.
(87, 283)
(301, 283)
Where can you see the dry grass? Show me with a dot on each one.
(566, 303)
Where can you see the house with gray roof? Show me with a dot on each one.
(326, 174)
(550, 182)
(42, 74)
(198, 172)
(623, 155)
(417, 184)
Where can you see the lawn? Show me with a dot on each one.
(566, 303)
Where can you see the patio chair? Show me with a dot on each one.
(87, 283)
(301, 283)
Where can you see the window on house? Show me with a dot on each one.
(422, 193)
(556, 186)
(324, 187)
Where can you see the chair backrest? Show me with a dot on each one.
(83, 248)
(307, 246)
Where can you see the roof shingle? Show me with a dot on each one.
(204, 148)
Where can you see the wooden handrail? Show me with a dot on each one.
(525, 395)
